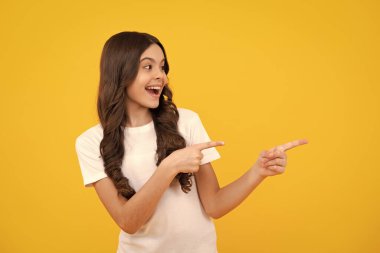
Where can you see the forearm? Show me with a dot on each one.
(231, 195)
(138, 209)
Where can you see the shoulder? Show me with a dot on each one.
(186, 115)
(90, 137)
(188, 123)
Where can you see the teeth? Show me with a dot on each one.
(153, 88)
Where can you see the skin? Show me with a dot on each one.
(219, 201)
(150, 72)
(132, 214)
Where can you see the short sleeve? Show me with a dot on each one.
(90, 162)
(198, 134)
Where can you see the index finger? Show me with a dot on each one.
(209, 144)
(291, 144)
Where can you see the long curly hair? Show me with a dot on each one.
(118, 69)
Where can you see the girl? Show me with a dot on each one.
(150, 162)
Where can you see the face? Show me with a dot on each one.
(151, 78)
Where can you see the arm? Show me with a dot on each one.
(131, 214)
(219, 201)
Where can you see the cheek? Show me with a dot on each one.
(130, 92)
(138, 84)
(142, 80)
(134, 90)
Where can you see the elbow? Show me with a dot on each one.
(128, 228)
(213, 213)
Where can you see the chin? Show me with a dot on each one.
(153, 106)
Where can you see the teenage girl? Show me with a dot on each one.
(150, 162)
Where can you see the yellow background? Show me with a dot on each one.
(259, 73)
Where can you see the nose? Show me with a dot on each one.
(160, 74)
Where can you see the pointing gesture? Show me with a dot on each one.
(188, 159)
(206, 145)
(273, 162)
(289, 145)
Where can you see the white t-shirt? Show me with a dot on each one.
(179, 223)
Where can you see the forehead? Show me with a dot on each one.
(153, 51)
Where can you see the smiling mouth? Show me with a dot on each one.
(154, 92)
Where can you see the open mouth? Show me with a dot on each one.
(154, 92)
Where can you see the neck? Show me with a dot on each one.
(138, 116)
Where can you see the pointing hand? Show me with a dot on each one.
(188, 159)
(273, 161)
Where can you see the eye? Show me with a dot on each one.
(150, 66)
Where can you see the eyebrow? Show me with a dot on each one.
(148, 58)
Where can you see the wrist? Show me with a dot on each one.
(168, 170)
(256, 175)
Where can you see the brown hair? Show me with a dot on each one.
(118, 69)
